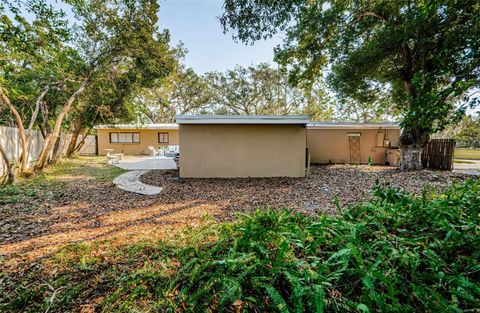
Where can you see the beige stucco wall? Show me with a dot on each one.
(148, 137)
(332, 145)
(242, 150)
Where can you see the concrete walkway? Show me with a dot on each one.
(137, 166)
(147, 163)
(129, 181)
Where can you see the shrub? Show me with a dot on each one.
(399, 253)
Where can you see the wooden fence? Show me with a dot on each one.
(438, 154)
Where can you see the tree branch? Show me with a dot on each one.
(368, 14)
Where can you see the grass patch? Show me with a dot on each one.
(398, 253)
(51, 181)
(466, 153)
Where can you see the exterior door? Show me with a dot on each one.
(354, 146)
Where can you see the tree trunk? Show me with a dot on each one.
(77, 129)
(35, 112)
(46, 127)
(51, 139)
(86, 134)
(57, 150)
(412, 141)
(82, 142)
(9, 176)
(21, 129)
(32, 121)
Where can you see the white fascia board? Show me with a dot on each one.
(242, 119)
(138, 126)
(353, 126)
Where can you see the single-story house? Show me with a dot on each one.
(242, 146)
(135, 139)
(255, 146)
(356, 143)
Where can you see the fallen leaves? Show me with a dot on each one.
(82, 209)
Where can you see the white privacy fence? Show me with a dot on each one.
(10, 141)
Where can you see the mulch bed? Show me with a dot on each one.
(86, 210)
(313, 194)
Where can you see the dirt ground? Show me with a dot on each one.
(85, 209)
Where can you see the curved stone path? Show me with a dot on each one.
(130, 181)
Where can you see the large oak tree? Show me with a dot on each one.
(425, 55)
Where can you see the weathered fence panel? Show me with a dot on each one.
(88, 148)
(438, 154)
(90, 145)
(10, 141)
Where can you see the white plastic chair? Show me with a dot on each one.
(153, 151)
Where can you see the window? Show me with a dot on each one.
(163, 137)
(125, 137)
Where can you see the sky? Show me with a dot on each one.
(196, 24)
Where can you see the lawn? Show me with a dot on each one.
(52, 181)
(466, 153)
(71, 241)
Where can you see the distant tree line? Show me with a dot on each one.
(466, 133)
(257, 90)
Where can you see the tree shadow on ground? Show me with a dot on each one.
(79, 203)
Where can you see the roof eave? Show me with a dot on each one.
(353, 126)
(243, 119)
(139, 127)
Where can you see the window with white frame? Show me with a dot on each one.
(125, 137)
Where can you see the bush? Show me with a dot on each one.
(397, 254)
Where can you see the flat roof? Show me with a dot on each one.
(243, 119)
(252, 119)
(138, 126)
(351, 125)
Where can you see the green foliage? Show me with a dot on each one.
(264, 90)
(397, 253)
(469, 132)
(114, 48)
(35, 52)
(182, 92)
(421, 55)
(259, 89)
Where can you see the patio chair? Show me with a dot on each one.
(112, 159)
(161, 151)
(153, 151)
(172, 151)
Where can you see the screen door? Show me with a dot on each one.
(354, 146)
